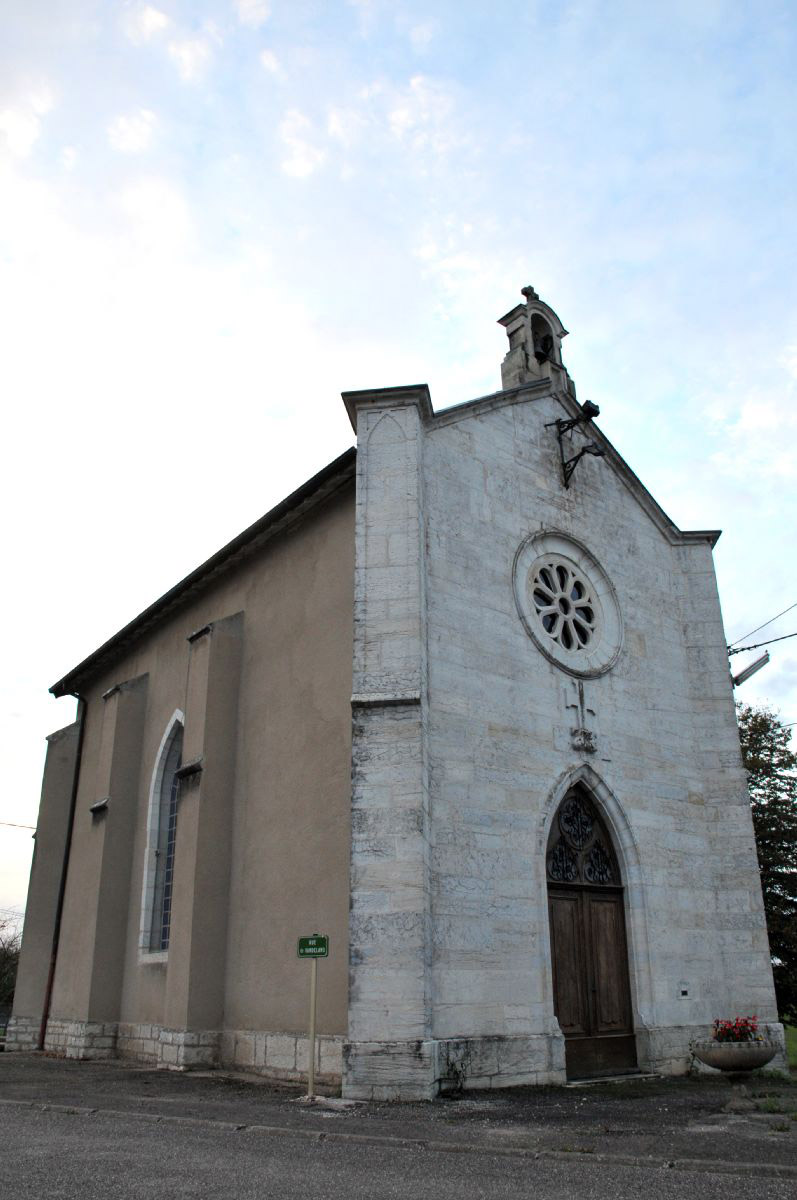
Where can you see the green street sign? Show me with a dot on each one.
(315, 946)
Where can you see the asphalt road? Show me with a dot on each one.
(63, 1156)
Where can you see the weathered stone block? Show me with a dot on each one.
(281, 1051)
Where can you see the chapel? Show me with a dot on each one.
(461, 704)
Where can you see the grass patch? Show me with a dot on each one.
(791, 1044)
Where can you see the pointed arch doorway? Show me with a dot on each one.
(589, 952)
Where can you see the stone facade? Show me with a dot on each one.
(477, 692)
(472, 725)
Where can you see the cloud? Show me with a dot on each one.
(303, 156)
(420, 115)
(345, 125)
(253, 13)
(270, 62)
(757, 428)
(191, 57)
(21, 124)
(145, 22)
(421, 36)
(132, 134)
(68, 158)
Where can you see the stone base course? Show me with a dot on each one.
(422, 1070)
(80, 1039)
(22, 1033)
(177, 1049)
(283, 1055)
(274, 1055)
(367, 1071)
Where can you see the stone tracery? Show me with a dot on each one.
(579, 846)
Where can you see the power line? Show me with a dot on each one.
(13, 825)
(758, 645)
(769, 622)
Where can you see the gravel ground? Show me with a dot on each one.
(636, 1124)
(64, 1157)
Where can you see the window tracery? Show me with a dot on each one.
(564, 603)
(579, 845)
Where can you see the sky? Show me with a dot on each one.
(216, 216)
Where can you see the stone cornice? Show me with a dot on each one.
(393, 397)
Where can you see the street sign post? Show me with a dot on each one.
(313, 947)
(316, 946)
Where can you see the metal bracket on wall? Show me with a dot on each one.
(588, 411)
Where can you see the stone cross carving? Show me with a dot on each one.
(583, 734)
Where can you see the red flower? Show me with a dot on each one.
(741, 1029)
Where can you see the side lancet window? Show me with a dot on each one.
(162, 840)
(579, 847)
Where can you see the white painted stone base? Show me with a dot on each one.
(422, 1070)
(172, 1049)
(390, 1070)
(373, 1070)
(22, 1033)
(275, 1055)
(81, 1039)
(497, 1062)
(281, 1056)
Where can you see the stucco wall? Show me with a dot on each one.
(45, 873)
(289, 796)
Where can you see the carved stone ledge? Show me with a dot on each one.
(376, 699)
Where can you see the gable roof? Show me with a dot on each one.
(285, 515)
(333, 478)
(540, 390)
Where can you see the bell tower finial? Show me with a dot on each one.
(535, 343)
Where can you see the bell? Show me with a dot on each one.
(543, 347)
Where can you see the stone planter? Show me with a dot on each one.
(735, 1058)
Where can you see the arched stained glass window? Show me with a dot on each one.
(163, 838)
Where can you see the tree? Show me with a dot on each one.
(772, 780)
(9, 958)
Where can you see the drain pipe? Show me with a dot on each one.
(59, 910)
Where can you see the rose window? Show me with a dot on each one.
(564, 603)
(567, 603)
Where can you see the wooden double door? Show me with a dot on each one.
(592, 997)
